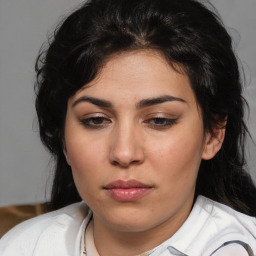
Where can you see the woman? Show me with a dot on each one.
(140, 103)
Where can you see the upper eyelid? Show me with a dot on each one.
(142, 116)
(161, 115)
(149, 116)
(91, 115)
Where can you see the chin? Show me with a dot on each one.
(129, 220)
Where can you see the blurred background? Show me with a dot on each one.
(25, 166)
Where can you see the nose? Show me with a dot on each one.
(126, 147)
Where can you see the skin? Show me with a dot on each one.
(131, 140)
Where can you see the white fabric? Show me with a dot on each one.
(89, 241)
(210, 227)
(231, 250)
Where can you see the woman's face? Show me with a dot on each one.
(135, 139)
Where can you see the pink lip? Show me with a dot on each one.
(126, 191)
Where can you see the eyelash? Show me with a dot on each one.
(90, 122)
(99, 122)
(165, 122)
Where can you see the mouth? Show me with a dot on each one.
(126, 191)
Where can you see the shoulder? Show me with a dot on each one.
(226, 219)
(45, 231)
(231, 232)
(213, 229)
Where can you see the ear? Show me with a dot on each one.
(214, 141)
(66, 153)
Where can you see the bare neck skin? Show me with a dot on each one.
(112, 242)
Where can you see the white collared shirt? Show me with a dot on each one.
(212, 229)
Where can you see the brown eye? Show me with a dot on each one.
(161, 122)
(95, 122)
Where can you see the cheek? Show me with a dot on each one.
(83, 152)
(81, 148)
(179, 155)
(83, 155)
(177, 151)
(85, 160)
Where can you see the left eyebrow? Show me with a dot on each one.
(158, 100)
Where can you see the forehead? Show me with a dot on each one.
(138, 74)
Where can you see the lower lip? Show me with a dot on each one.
(128, 194)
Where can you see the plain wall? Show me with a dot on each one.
(25, 175)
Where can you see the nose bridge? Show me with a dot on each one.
(126, 146)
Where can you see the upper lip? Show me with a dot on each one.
(126, 184)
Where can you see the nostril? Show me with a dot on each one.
(125, 164)
(121, 163)
(115, 163)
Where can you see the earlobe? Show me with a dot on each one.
(213, 142)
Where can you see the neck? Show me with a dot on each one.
(112, 241)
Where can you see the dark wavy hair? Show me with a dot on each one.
(190, 36)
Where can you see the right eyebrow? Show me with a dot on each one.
(95, 101)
